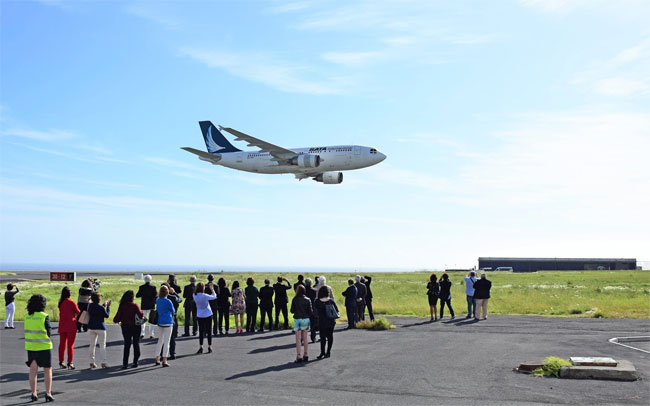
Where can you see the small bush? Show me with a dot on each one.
(378, 324)
(575, 311)
(598, 315)
(552, 366)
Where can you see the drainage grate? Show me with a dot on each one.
(639, 343)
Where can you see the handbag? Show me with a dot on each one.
(140, 320)
(84, 318)
(331, 312)
(153, 316)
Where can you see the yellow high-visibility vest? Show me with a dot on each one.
(36, 338)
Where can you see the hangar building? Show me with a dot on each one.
(557, 264)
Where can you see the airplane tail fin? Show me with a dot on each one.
(214, 140)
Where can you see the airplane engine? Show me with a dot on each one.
(330, 178)
(307, 161)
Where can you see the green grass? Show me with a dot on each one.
(552, 366)
(5, 273)
(612, 294)
(378, 324)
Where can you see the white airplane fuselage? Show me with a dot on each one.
(333, 158)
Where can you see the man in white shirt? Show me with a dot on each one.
(470, 279)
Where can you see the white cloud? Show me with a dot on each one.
(351, 58)
(583, 160)
(51, 135)
(624, 74)
(98, 149)
(18, 197)
(620, 86)
(256, 67)
(555, 6)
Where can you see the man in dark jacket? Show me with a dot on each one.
(300, 282)
(281, 301)
(176, 300)
(481, 296)
(190, 307)
(266, 304)
(148, 293)
(367, 280)
(351, 303)
(361, 298)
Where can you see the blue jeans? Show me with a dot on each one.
(471, 306)
(352, 315)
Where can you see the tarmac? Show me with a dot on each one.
(459, 362)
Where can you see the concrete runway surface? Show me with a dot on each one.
(459, 362)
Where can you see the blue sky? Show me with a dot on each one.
(512, 128)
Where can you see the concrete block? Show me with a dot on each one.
(593, 361)
(530, 366)
(623, 371)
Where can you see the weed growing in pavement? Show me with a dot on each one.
(552, 366)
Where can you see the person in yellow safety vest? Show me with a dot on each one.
(38, 345)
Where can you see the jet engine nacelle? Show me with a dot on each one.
(330, 178)
(307, 161)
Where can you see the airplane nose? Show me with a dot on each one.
(381, 156)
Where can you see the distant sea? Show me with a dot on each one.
(18, 267)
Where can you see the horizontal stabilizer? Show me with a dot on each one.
(204, 156)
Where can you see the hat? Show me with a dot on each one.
(171, 277)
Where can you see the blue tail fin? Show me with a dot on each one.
(214, 140)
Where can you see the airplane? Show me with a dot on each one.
(322, 164)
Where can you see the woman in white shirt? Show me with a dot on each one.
(204, 314)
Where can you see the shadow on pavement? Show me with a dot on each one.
(269, 336)
(422, 323)
(272, 348)
(275, 368)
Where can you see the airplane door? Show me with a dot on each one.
(357, 150)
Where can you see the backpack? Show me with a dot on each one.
(331, 312)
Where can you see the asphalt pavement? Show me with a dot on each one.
(459, 362)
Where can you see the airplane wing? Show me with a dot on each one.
(279, 153)
(204, 156)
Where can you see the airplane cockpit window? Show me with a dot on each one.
(373, 151)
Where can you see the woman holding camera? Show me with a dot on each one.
(96, 327)
(166, 312)
(204, 314)
(68, 313)
(433, 291)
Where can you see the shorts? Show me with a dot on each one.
(433, 300)
(43, 358)
(300, 324)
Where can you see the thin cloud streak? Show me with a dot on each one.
(52, 135)
(283, 76)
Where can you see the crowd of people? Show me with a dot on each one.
(207, 307)
(477, 293)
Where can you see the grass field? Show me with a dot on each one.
(616, 294)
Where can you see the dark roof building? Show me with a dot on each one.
(557, 264)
